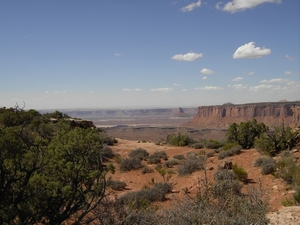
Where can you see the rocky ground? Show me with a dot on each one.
(275, 189)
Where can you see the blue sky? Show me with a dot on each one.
(148, 53)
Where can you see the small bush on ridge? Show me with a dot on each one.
(128, 164)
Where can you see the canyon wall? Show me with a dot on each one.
(271, 113)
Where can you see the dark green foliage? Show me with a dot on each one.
(179, 157)
(229, 145)
(139, 154)
(179, 139)
(277, 140)
(245, 133)
(231, 152)
(212, 144)
(128, 164)
(116, 184)
(49, 172)
(191, 165)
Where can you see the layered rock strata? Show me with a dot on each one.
(271, 113)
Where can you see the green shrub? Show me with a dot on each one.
(229, 145)
(116, 185)
(147, 170)
(268, 166)
(240, 172)
(264, 145)
(142, 198)
(224, 174)
(288, 170)
(153, 160)
(160, 154)
(212, 144)
(139, 153)
(231, 152)
(191, 165)
(259, 161)
(128, 164)
(210, 154)
(107, 152)
(171, 162)
(179, 157)
(196, 145)
(179, 139)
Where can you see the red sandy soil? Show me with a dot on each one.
(275, 188)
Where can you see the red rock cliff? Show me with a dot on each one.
(272, 114)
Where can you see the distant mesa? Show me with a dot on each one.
(179, 113)
(270, 113)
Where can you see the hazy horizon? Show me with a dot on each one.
(148, 54)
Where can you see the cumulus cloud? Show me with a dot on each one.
(208, 88)
(250, 51)
(250, 73)
(117, 54)
(191, 56)
(191, 6)
(184, 89)
(206, 71)
(237, 79)
(128, 89)
(275, 80)
(238, 87)
(288, 72)
(162, 89)
(288, 57)
(241, 5)
(204, 78)
(264, 87)
(175, 84)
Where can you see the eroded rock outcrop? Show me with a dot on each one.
(272, 114)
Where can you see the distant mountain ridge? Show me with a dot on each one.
(270, 113)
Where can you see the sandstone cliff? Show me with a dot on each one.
(271, 113)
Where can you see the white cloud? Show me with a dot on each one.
(250, 51)
(288, 72)
(241, 5)
(175, 84)
(264, 87)
(208, 88)
(46, 92)
(162, 89)
(191, 6)
(237, 79)
(250, 73)
(238, 87)
(275, 80)
(206, 71)
(184, 89)
(187, 57)
(128, 89)
(288, 57)
(117, 54)
(204, 78)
